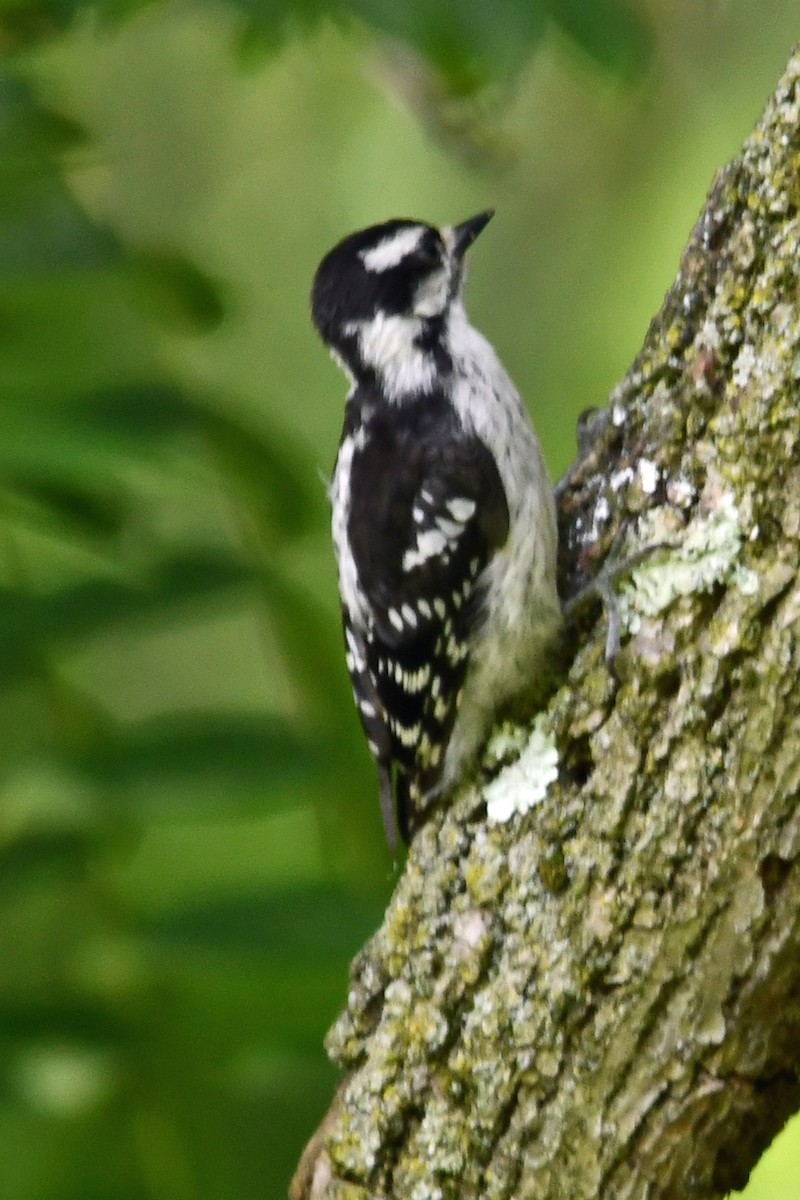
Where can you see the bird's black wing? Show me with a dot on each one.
(427, 510)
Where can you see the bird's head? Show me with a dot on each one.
(381, 298)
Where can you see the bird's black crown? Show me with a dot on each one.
(354, 283)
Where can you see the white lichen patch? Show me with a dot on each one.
(744, 365)
(680, 492)
(648, 475)
(620, 478)
(602, 511)
(524, 783)
(470, 929)
(707, 555)
(709, 335)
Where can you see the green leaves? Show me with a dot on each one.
(470, 43)
(611, 33)
(301, 925)
(32, 626)
(175, 291)
(198, 762)
(473, 44)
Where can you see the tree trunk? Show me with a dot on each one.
(600, 997)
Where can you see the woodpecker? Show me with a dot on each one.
(443, 514)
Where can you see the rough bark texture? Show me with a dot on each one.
(601, 998)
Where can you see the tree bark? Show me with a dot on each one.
(600, 998)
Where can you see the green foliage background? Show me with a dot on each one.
(190, 847)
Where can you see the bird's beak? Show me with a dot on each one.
(465, 233)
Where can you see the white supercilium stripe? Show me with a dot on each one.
(393, 249)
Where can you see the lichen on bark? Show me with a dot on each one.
(599, 998)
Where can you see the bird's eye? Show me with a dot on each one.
(427, 255)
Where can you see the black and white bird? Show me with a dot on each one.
(443, 513)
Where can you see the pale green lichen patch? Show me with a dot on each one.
(709, 553)
(524, 783)
(506, 742)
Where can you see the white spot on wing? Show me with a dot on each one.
(407, 735)
(461, 509)
(416, 681)
(409, 615)
(429, 543)
(450, 529)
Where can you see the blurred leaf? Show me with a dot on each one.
(49, 820)
(141, 411)
(269, 470)
(611, 32)
(67, 852)
(58, 448)
(470, 42)
(61, 1078)
(301, 624)
(30, 624)
(197, 756)
(275, 478)
(473, 44)
(50, 233)
(268, 25)
(318, 924)
(30, 21)
(175, 291)
(71, 465)
(27, 22)
(41, 226)
(61, 332)
(30, 134)
(78, 511)
(61, 1016)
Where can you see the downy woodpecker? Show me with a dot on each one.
(443, 513)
